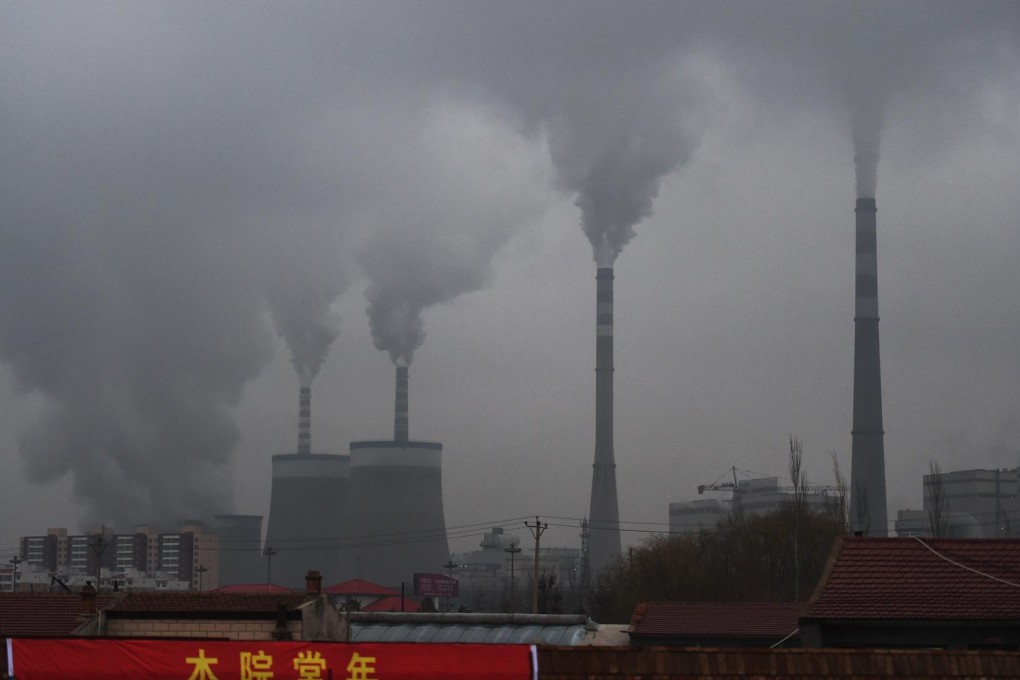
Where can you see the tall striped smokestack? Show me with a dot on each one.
(304, 437)
(400, 427)
(604, 515)
(867, 466)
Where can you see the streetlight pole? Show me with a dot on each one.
(513, 550)
(269, 552)
(14, 579)
(200, 569)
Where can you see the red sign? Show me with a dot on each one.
(436, 585)
(111, 659)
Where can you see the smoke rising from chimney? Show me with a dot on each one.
(420, 251)
(613, 148)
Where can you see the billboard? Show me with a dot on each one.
(436, 585)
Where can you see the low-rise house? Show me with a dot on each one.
(42, 614)
(716, 624)
(914, 592)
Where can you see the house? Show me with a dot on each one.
(917, 592)
(50, 614)
(287, 615)
(360, 591)
(716, 624)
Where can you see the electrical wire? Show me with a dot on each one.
(964, 566)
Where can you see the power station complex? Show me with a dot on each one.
(376, 513)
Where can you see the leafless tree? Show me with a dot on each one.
(799, 480)
(935, 492)
(862, 518)
(840, 503)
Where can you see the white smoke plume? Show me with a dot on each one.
(613, 147)
(430, 247)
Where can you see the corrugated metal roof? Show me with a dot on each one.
(465, 628)
(458, 632)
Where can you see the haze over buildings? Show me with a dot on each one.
(194, 191)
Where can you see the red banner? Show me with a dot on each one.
(110, 659)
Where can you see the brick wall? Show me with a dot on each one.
(592, 663)
(231, 629)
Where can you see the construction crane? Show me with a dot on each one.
(739, 488)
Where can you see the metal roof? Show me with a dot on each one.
(465, 628)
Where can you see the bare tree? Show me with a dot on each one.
(862, 518)
(799, 480)
(839, 505)
(935, 492)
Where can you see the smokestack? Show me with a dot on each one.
(304, 433)
(400, 427)
(604, 514)
(867, 466)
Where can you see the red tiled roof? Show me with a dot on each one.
(204, 603)
(901, 578)
(392, 604)
(250, 588)
(45, 614)
(715, 619)
(359, 586)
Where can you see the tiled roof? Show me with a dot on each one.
(45, 614)
(359, 586)
(204, 603)
(931, 578)
(715, 619)
(250, 588)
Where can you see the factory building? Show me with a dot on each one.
(977, 504)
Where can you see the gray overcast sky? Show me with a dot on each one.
(197, 197)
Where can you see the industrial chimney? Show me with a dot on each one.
(604, 515)
(400, 429)
(304, 421)
(867, 466)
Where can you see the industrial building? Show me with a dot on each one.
(753, 496)
(977, 504)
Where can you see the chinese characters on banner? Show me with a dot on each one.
(50, 659)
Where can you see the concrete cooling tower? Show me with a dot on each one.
(867, 465)
(240, 543)
(308, 503)
(397, 525)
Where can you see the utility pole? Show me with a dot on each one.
(201, 569)
(450, 566)
(537, 529)
(14, 579)
(513, 550)
(269, 552)
(99, 547)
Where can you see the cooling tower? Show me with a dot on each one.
(240, 542)
(397, 525)
(867, 471)
(305, 517)
(604, 515)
